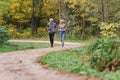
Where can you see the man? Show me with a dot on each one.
(51, 27)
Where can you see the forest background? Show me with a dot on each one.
(84, 18)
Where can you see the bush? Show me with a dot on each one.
(105, 54)
(110, 30)
(4, 35)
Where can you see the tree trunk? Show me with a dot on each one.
(36, 19)
(33, 16)
(102, 11)
(37, 24)
(107, 10)
(60, 9)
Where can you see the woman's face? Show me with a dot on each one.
(61, 22)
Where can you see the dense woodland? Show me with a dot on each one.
(84, 18)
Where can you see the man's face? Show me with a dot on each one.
(51, 20)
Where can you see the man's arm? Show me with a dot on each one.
(55, 26)
(48, 27)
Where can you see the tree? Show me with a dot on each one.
(82, 16)
(3, 7)
(32, 20)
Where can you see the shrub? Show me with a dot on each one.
(105, 54)
(110, 30)
(4, 35)
(15, 33)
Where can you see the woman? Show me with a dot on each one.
(62, 28)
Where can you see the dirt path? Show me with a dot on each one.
(22, 65)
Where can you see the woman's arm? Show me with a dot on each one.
(65, 27)
(59, 28)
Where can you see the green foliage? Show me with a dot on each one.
(4, 35)
(8, 47)
(71, 62)
(76, 61)
(105, 54)
(81, 16)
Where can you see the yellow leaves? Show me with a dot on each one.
(15, 5)
(109, 27)
(0, 3)
(23, 21)
(77, 2)
(20, 9)
(73, 2)
(83, 1)
(87, 9)
(50, 7)
(80, 8)
(0, 12)
(15, 34)
(108, 34)
(47, 2)
(11, 29)
(20, 5)
(108, 30)
(2, 21)
(106, 27)
(92, 19)
(52, 1)
(18, 16)
(84, 14)
(41, 30)
(29, 9)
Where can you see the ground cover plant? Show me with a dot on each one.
(105, 54)
(8, 47)
(81, 61)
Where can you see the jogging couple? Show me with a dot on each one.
(52, 28)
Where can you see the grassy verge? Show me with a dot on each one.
(22, 46)
(76, 61)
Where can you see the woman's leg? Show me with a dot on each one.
(62, 38)
(60, 34)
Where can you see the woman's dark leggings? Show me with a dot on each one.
(51, 36)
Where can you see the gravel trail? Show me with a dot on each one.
(23, 65)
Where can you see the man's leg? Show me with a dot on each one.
(51, 35)
(52, 39)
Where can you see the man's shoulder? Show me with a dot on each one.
(54, 23)
(48, 23)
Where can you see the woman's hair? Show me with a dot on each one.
(62, 20)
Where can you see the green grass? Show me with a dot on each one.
(22, 46)
(76, 61)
